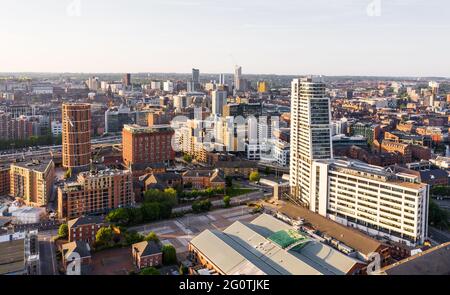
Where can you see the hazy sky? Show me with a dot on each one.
(330, 37)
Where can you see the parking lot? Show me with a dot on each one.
(180, 231)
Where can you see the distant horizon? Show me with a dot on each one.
(2, 74)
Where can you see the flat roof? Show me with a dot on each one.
(351, 237)
(12, 256)
(39, 166)
(434, 261)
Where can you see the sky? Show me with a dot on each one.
(327, 37)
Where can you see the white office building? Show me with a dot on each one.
(379, 201)
(310, 135)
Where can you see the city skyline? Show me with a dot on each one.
(345, 38)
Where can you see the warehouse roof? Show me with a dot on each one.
(12, 257)
(247, 248)
(351, 237)
(434, 261)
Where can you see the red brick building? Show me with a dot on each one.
(146, 254)
(96, 192)
(85, 228)
(76, 250)
(201, 179)
(147, 145)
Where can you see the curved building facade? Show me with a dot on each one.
(76, 135)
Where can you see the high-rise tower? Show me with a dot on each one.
(76, 135)
(310, 134)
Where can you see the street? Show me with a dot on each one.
(47, 254)
(234, 201)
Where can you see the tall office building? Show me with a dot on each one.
(76, 135)
(219, 100)
(237, 78)
(195, 75)
(126, 80)
(310, 135)
(222, 79)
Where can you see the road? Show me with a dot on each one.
(47, 254)
(444, 204)
(438, 235)
(234, 201)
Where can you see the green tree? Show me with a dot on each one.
(150, 211)
(229, 181)
(104, 236)
(63, 231)
(254, 176)
(227, 201)
(135, 216)
(267, 170)
(201, 206)
(152, 237)
(150, 271)
(438, 217)
(133, 237)
(187, 158)
(169, 255)
(119, 215)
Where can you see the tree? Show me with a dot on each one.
(438, 217)
(267, 170)
(152, 237)
(63, 231)
(150, 271)
(169, 255)
(133, 237)
(104, 236)
(187, 158)
(150, 211)
(201, 206)
(119, 215)
(227, 201)
(135, 216)
(254, 176)
(229, 181)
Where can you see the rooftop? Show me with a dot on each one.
(434, 261)
(351, 237)
(147, 248)
(34, 165)
(12, 256)
(85, 220)
(270, 246)
(79, 247)
(135, 129)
